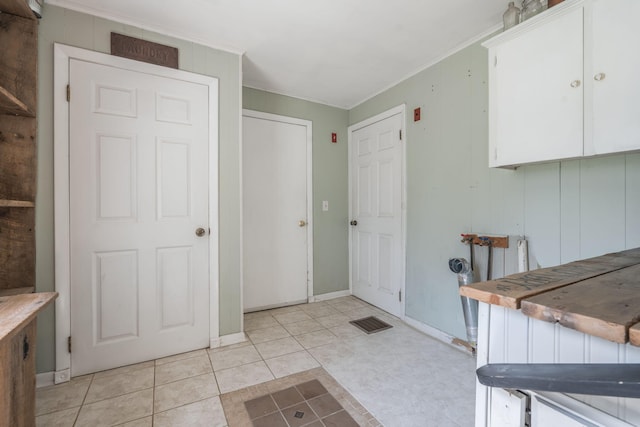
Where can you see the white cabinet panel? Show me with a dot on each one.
(536, 93)
(613, 74)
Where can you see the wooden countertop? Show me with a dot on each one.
(17, 311)
(598, 296)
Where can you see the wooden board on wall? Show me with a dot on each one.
(18, 167)
(17, 7)
(17, 247)
(18, 64)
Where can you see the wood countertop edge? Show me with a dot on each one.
(589, 325)
(634, 335)
(27, 306)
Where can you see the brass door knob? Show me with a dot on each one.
(200, 231)
(302, 223)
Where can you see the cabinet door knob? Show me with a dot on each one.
(575, 83)
(600, 76)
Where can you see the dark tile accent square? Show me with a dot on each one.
(287, 397)
(324, 405)
(340, 419)
(311, 389)
(307, 418)
(271, 420)
(260, 406)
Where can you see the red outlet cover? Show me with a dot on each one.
(416, 114)
(334, 137)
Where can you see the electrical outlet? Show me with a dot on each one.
(416, 114)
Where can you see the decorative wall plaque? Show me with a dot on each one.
(143, 50)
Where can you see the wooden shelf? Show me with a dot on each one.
(9, 104)
(16, 204)
(16, 291)
(17, 7)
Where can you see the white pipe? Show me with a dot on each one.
(523, 255)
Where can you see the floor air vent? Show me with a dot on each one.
(371, 324)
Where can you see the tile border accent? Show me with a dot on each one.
(233, 402)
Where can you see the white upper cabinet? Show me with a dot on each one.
(612, 67)
(561, 84)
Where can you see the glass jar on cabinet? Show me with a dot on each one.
(530, 8)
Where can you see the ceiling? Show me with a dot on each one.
(336, 52)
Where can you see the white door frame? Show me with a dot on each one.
(403, 180)
(308, 124)
(62, 56)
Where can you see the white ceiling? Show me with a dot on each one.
(336, 52)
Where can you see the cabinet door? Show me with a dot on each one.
(546, 414)
(613, 74)
(536, 98)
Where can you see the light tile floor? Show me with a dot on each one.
(403, 377)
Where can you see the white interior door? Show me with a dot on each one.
(276, 216)
(138, 192)
(376, 213)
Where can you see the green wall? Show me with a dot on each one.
(330, 238)
(567, 210)
(89, 32)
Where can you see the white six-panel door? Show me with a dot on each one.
(276, 230)
(376, 213)
(138, 192)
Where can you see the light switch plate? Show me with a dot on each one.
(325, 205)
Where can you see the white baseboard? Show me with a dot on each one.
(62, 376)
(44, 379)
(330, 295)
(228, 340)
(437, 334)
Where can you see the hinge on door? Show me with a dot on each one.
(69, 344)
(68, 93)
(400, 296)
(400, 134)
(495, 61)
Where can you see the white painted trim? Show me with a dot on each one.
(62, 56)
(228, 340)
(330, 295)
(62, 376)
(482, 358)
(241, 191)
(171, 32)
(308, 124)
(400, 109)
(434, 333)
(44, 379)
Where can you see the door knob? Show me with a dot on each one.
(200, 231)
(302, 223)
(598, 77)
(575, 83)
(354, 222)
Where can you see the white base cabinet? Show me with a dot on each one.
(508, 336)
(561, 84)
